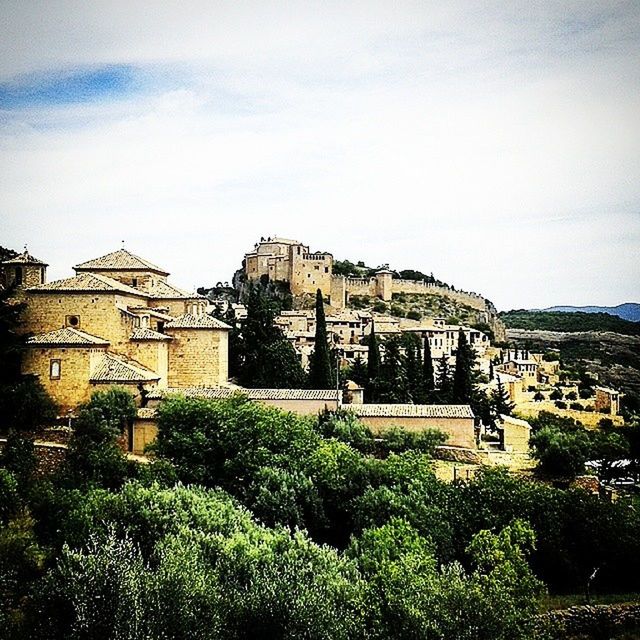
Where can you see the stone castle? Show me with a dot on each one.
(290, 261)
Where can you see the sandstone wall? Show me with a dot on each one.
(198, 357)
(460, 431)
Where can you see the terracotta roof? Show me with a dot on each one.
(67, 337)
(189, 321)
(150, 311)
(411, 410)
(219, 393)
(164, 290)
(90, 283)
(116, 369)
(121, 260)
(148, 334)
(25, 258)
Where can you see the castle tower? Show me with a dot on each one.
(384, 284)
(23, 271)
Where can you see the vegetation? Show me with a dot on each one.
(569, 322)
(320, 370)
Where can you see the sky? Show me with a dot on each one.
(495, 144)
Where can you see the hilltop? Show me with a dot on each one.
(568, 322)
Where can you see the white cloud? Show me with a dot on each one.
(497, 147)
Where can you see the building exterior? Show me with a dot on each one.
(607, 401)
(117, 321)
(290, 261)
(514, 434)
(456, 421)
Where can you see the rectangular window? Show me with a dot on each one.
(54, 369)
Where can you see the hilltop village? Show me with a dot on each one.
(120, 321)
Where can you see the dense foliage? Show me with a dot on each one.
(569, 322)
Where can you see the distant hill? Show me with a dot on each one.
(627, 311)
(574, 322)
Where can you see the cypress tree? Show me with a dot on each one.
(427, 367)
(394, 384)
(443, 382)
(373, 366)
(463, 374)
(320, 374)
(414, 367)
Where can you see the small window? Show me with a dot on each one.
(326, 269)
(54, 369)
(134, 282)
(160, 327)
(42, 275)
(18, 275)
(72, 321)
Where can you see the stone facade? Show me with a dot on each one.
(117, 321)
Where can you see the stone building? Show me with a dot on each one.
(117, 321)
(607, 401)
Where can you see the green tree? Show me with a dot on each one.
(393, 381)
(320, 370)
(500, 402)
(414, 368)
(373, 366)
(269, 358)
(444, 383)
(462, 390)
(427, 361)
(25, 405)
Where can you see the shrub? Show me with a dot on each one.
(414, 315)
(560, 404)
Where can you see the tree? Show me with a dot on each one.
(560, 453)
(269, 358)
(500, 400)
(393, 381)
(414, 368)
(320, 370)
(444, 382)
(427, 362)
(463, 374)
(94, 457)
(11, 343)
(358, 372)
(25, 405)
(373, 366)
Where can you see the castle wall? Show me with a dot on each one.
(338, 292)
(418, 286)
(198, 357)
(98, 314)
(311, 271)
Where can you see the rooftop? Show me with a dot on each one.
(121, 260)
(116, 369)
(88, 283)
(190, 321)
(219, 393)
(25, 258)
(66, 337)
(164, 290)
(144, 334)
(411, 410)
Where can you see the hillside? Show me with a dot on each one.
(627, 311)
(568, 322)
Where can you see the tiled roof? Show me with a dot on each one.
(67, 337)
(411, 410)
(189, 321)
(121, 260)
(88, 282)
(164, 290)
(115, 369)
(219, 393)
(148, 334)
(25, 258)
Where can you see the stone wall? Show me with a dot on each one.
(142, 280)
(73, 386)
(153, 354)
(198, 357)
(460, 431)
(98, 313)
(595, 621)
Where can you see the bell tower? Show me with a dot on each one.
(23, 271)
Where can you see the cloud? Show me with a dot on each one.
(490, 144)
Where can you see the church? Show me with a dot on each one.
(117, 321)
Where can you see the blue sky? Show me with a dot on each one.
(495, 144)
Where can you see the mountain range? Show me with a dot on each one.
(626, 311)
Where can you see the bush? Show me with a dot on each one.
(572, 395)
(414, 315)
(556, 394)
(538, 397)
(560, 404)
(576, 406)
(379, 306)
(397, 311)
